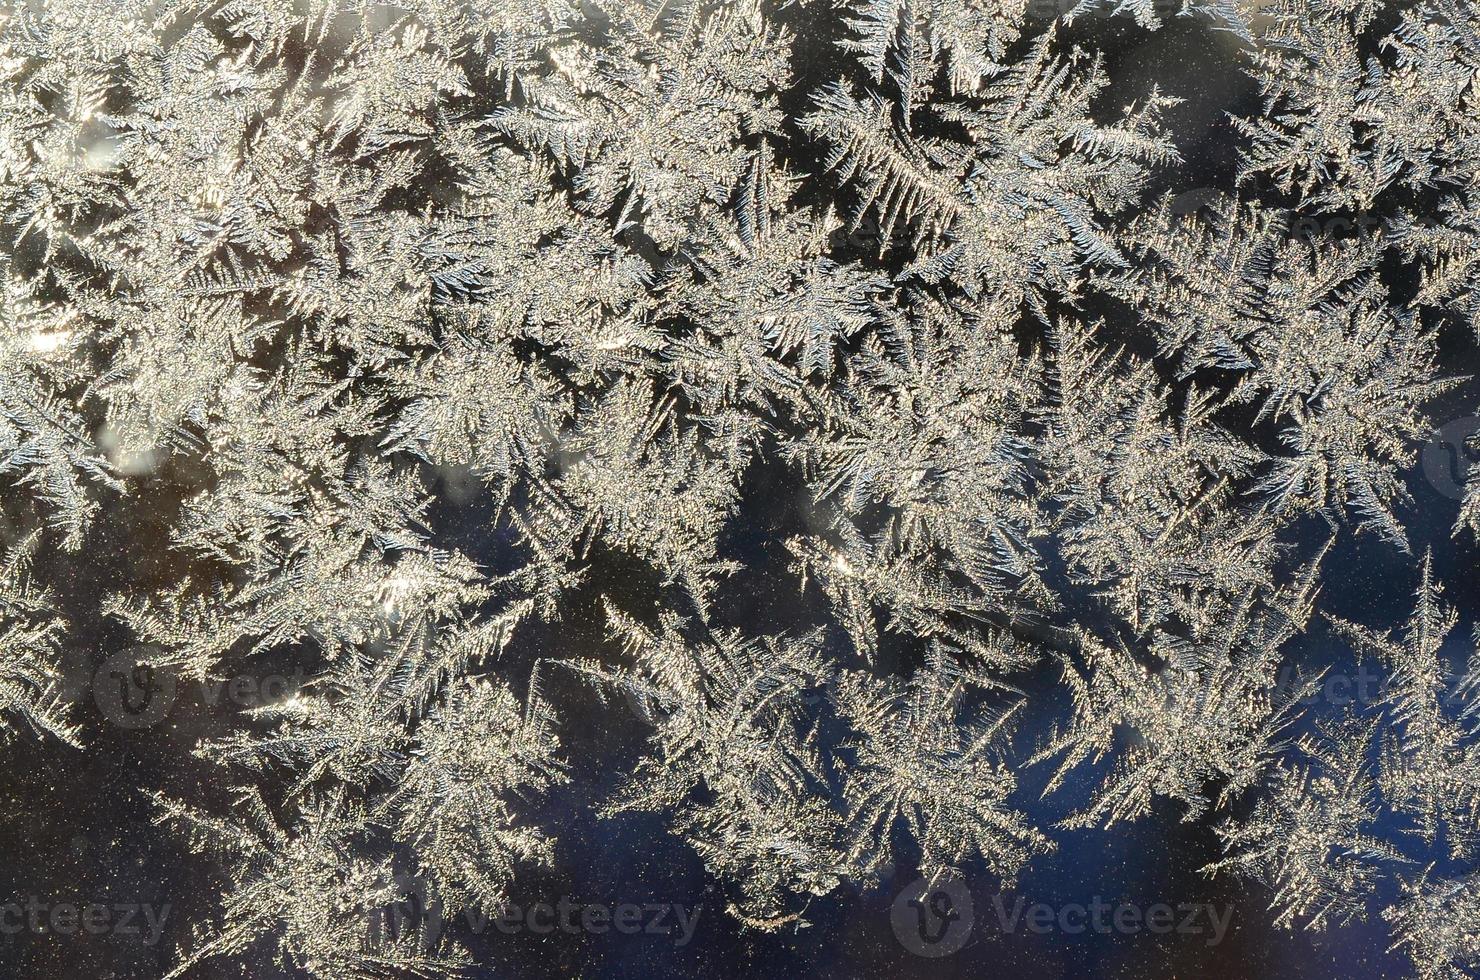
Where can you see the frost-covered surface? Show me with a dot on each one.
(847, 441)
